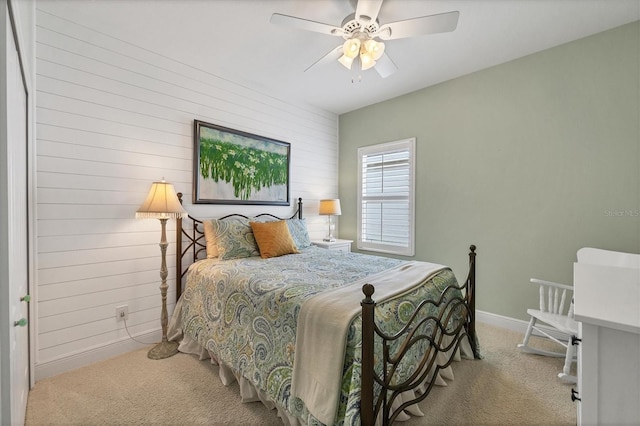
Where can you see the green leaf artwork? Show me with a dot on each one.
(249, 164)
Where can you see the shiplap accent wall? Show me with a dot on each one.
(111, 118)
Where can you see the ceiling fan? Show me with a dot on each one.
(362, 34)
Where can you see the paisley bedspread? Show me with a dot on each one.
(244, 311)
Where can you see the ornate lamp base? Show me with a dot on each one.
(163, 350)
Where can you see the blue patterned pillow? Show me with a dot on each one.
(235, 239)
(298, 231)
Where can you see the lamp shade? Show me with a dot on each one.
(366, 60)
(351, 48)
(330, 207)
(161, 203)
(346, 61)
(374, 48)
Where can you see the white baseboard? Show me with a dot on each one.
(501, 321)
(513, 324)
(100, 353)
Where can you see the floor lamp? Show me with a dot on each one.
(162, 203)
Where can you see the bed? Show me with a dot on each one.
(299, 328)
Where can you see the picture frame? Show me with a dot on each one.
(235, 167)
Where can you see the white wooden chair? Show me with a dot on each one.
(552, 313)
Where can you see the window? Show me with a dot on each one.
(386, 197)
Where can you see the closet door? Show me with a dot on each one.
(14, 191)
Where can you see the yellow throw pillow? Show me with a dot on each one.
(273, 238)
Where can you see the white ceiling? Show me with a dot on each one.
(233, 39)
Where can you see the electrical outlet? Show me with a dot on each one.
(122, 312)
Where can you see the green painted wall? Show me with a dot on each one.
(529, 160)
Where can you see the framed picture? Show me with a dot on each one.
(234, 167)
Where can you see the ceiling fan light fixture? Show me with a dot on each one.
(362, 28)
(351, 48)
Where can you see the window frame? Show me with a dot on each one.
(409, 145)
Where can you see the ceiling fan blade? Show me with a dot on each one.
(431, 24)
(305, 24)
(385, 66)
(368, 8)
(332, 56)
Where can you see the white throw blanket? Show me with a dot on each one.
(321, 335)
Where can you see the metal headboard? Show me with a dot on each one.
(192, 242)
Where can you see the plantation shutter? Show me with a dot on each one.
(386, 197)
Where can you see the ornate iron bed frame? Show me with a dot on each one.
(443, 339)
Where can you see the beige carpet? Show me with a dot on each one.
(505, 388)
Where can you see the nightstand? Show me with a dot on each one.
(341, 245)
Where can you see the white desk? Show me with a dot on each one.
(607, 304)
